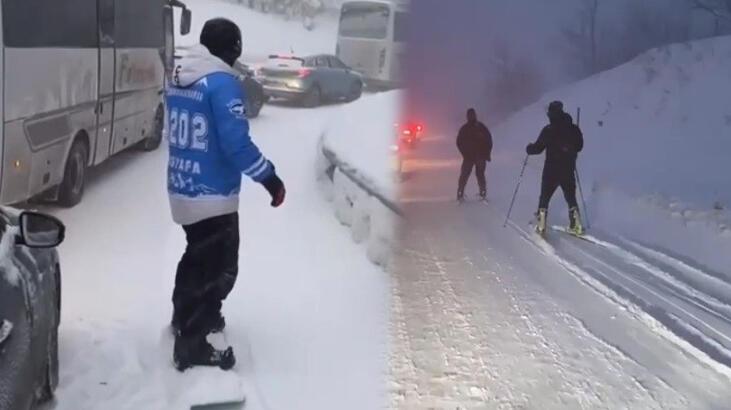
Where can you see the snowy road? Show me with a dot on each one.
(487, 314)
(307, 317)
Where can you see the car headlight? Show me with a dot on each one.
(294, 84)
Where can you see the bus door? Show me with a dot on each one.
(107, 74)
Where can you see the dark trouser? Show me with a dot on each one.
(467, 165)
(552, 179)
(206, 273)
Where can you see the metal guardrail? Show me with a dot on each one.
(352, 174)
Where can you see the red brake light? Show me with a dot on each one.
(419, 128)
(304, 72)
(407, 132)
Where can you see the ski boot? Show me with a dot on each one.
(575, 226)
(483, 195)
(460, 196)
(195, 350)
(541, 217)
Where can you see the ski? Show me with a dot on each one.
(568, 232)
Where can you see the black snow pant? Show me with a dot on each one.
(479, 165)
(206, 273)
(553, 177)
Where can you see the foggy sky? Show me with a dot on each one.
(450, 53)
(451, 48)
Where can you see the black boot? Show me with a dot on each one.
(195, 350)
(460, 196)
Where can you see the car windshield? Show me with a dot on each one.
(364, 20)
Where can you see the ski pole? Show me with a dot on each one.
(578, 180)
(512, 202)
(583, 202)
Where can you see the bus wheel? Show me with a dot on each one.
(72, 187)
(152, 142)
(313, 98)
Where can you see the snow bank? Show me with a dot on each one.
(658, 140)
(355, 168)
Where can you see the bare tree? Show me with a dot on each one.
(514, 81)
(582, 39)
(720, 9)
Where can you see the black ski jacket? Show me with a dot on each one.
(474, 142)
(562, 140)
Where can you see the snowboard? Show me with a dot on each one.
(202, 387)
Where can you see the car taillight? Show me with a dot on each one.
(406, 132)
(419, 128)
(304, 72)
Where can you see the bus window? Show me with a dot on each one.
(368, 21)
(139, 24)
(400, 26)
(50, 23)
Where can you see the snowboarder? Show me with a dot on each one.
(474, 142)
(562, 140)
(210, 147)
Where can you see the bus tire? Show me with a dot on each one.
(71, 189)
(152, 142)
(313, 97)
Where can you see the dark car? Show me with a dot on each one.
(255, 97)
(30, 308)
(310, 80)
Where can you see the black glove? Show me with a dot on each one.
(275, 186)
(529, 149)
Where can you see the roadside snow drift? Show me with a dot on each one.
(355, 166)
(658, 142)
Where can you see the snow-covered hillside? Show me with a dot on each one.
(658, 140)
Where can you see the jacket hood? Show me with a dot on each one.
(562, 118)
(196, 63)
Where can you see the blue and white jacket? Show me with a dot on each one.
(209, 139)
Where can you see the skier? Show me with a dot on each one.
(474, 142)
(210, 147)
(562, 140)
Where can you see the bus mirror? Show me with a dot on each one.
(185, 20)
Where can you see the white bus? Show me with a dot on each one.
(371, 37)
(81, 81)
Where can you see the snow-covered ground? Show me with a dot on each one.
(307, 318)
(641, 318)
